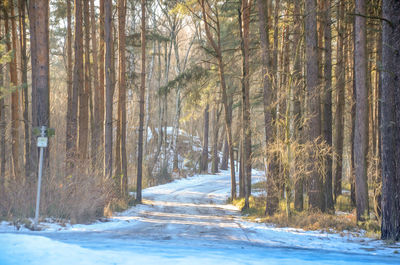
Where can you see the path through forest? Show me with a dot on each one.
(187, 222)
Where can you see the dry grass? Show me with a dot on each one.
(315, 221)
(80, 198)
(308, 220)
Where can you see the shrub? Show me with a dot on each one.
(80, 198)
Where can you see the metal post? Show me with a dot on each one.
(235, 151)
(42, 134)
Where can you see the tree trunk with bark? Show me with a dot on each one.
(33, 148)
(141, 104)
(296, 117)
(215, 123)
(121, 163)
(272, 190)
(340, 101)
(327, 125)
(69, 121)
(12, 45)
(77, 87)
(315, 189)
(244, 22)
(108, 134)
(390, 120)
(84, 92)
(204, 154)
(97, 123)
(39, 19)
(102, 91)
(24, 81)
(360, 141)
(2, 130)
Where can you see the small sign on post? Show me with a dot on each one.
(42, 142)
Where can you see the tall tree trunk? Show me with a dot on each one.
(340, 101)
(39, 22)
(351, 89)
(141, 103)
(272, 190)
(84, 92)
(147, 123)
(361, 119)
(69, 120)
(215, 156)
(15, 102)
(96, 139)
(327, 125)
(123, 181)
(24, 80)
(167, 61)
(316, 200)
(375, 112)
(12, 45)
(244, 19)
(124, 184)
(101, 92)
(160, 116)
(390, 121)
(34, 61)
(77, 87)
(204, 154)
(240, 160)
(296, 125)
(177, 105)
(108, 134)
(2, 131)
(274, 58)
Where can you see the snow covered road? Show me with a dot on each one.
(187, 222)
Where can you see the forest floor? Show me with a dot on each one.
(187, 222)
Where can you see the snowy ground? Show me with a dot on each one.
(186, 222)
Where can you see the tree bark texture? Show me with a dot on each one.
(84, 92)
(12, 46)
(77, 87)
(108, 134)
(272, 189)
(141, 103)
(244, 18)
(39, 20)
(2, 132)
(297, 98)
(390, 121)
(98, 92)
(24, 81)
(122, 177)
(204, 154)
(215, 124)
(360, 141)
(340, 101)
(315, 189)
(327, 126)
(69, 121)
